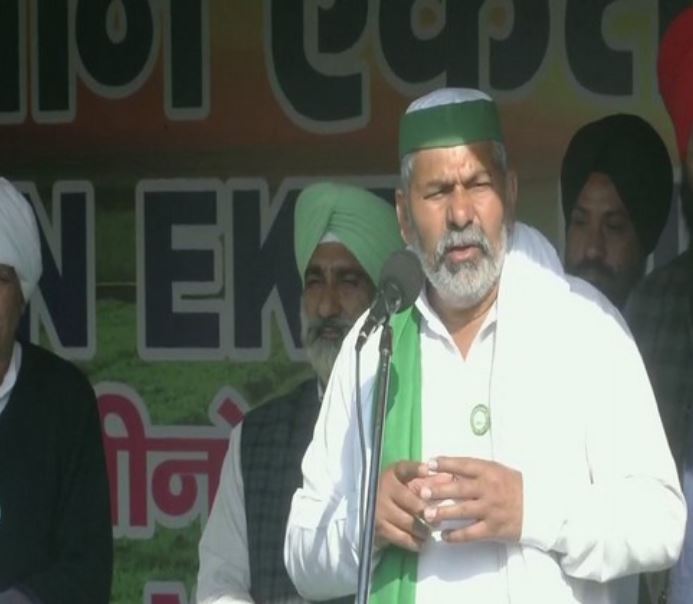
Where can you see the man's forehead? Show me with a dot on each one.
(599, 194)
(473, 156)
(333, 256)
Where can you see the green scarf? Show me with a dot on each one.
(394, 580)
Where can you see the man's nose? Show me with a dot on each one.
(329, 304)
(595, 244)
(460, 209)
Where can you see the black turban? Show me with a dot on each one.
(631, 153)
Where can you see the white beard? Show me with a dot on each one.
(321, 352)
(463, 285)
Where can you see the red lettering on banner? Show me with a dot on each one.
(165, 599)
(161, 474)
(165, 592)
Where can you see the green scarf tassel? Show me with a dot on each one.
(394, 580)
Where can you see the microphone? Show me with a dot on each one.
(401, 280)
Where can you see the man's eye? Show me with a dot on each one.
(440, 190)
(433, 194)
(616, 227)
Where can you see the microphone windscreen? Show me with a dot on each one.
(403, 270)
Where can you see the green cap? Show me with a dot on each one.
(447, 118)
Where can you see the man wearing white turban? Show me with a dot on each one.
(342, 237)
(56, 543)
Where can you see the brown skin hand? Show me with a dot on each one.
(400, 505)
(484, 491)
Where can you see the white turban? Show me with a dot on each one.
(20, 246)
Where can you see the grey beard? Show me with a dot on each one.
(463, 285)
(322, 353)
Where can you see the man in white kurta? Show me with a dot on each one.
(549, 478)
(342, 237)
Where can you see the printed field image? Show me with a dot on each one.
(175, 394)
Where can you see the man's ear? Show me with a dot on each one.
(403, 215)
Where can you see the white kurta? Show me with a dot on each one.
(224, 575)
(446, 430)
(224, 572)
(571, 408)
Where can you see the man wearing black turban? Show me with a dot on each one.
(616, 184)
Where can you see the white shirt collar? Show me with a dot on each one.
(436, 326)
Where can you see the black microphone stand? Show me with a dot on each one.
(368, 533)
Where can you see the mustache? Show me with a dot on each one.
(594, 266)
(471, 235)
(315, 327)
